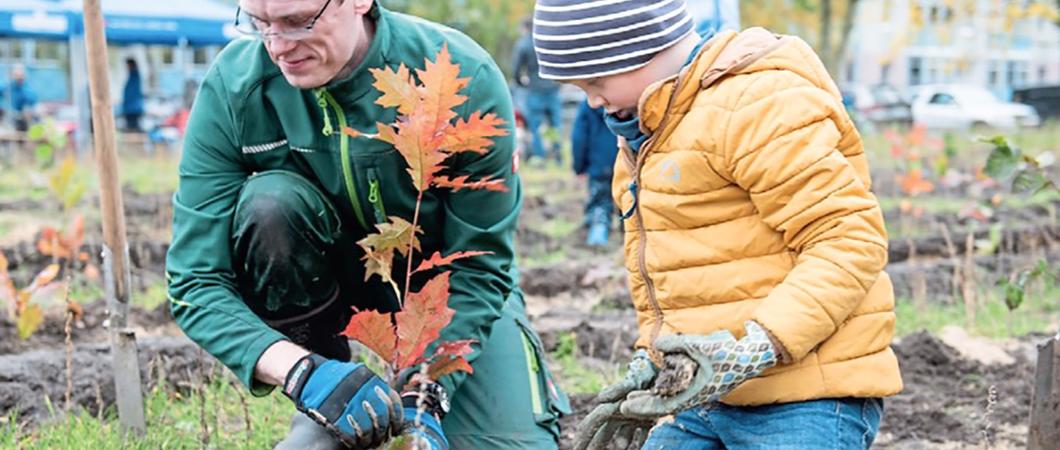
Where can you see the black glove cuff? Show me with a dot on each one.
(435, 399)
(299, 374)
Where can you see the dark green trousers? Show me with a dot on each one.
(296, 271)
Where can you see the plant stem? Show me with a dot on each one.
(69, 350)
(397, 291)
(412, 245)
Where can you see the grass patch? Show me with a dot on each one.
(970, 152)
(143, 174)
(150, 175)
(528, 259)
(1039, 312)
(173, 422)
(18, 182)
(84, 291)
(559, 228)
(573, 376)
(152, 296)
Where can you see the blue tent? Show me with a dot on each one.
(197, 22)
(180, 23)
(188, 22)
(36, 19)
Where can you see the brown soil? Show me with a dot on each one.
(947, 399)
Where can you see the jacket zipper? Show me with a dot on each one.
(642, 263)
(344, 150)
(375, 196)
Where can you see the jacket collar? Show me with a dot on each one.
(727, 52)
(359, 82)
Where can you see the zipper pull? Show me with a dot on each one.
(632, 209)
(375, 195)
(323, 104)
(373, 191)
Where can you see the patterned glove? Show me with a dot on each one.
(721, 363)
(606, 424)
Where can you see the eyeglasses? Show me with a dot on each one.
(291, 30)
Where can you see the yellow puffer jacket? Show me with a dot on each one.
(753, 202)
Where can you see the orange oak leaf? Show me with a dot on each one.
(914, 183)
(439, 92)
(449, 357)
(355, 134)
(418, 144)
(45, 277)
(421, 321)
(424, 133)
(461, 182)
(446, 365)
(379, 247)
(473, 135)
(374, 330)
(72, 307)
(454, 348)
(48, 243)
(437, 260)
(397, 88)
(52, 242)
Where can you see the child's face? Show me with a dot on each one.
(618, 94)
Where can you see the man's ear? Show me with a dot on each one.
(361, 7)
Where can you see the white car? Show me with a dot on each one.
(963, 107)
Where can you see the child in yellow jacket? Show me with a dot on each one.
(754, 246)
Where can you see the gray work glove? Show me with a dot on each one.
(606, 424)
(701, 369)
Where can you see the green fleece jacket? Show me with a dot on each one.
(248, 119)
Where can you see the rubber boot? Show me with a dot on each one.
(597, 235)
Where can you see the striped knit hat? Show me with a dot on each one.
(578, 39)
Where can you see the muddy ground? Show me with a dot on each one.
(951, 400)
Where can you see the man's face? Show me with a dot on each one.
(314, 60)
(618, 94)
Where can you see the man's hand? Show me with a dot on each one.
(346, 398)
(425, 404)
(713, 366)
(606, 424)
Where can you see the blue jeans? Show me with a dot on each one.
(840, 424)
(542, 106)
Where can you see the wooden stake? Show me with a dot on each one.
(116, 253)
(1045, 404)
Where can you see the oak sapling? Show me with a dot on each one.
(427, 132)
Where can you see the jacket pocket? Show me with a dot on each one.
(548, 401)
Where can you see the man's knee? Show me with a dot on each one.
(270, 200)
(282, 232)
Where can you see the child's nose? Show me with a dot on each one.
(595, 101)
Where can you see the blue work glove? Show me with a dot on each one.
(606, 423)
(424, 406)
(354, 404)
(702, 369)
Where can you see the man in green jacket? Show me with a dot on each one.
(264, 271)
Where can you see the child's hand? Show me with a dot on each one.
(605, 423)
(723, 363)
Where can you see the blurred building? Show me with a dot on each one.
(998, 44)
(173, 43)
